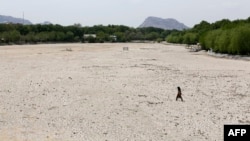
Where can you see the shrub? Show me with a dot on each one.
(232, 41)
(190, 38)
(223, 41)
(240, 40)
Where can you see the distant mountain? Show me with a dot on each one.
(167, 24)
(9, 19)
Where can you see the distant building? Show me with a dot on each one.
(113, 37)
(89, 38)
(85, 36)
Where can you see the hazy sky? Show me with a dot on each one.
(124, 12)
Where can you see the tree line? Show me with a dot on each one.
(224, 36)
(32, 34)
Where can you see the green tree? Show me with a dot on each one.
(69, 36)
(240, 41)
(120, 37)
(152, 36)
(190, 38)
(12, 36)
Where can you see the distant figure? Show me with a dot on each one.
(179, 94)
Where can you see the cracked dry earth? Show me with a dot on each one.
(98, 92)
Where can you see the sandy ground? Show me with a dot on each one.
(98, 92)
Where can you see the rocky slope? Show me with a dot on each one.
(167, 24)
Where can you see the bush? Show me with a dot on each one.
(223, 41)
(174, 39)
(11, 36)
(232, 41)
(240, 40)
(190, 38)
(209, 39)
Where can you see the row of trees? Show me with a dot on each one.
(225, 36)
(232, 41)
(21, 34)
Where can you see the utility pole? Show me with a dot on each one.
(23, 18)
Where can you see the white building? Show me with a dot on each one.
(89, 35)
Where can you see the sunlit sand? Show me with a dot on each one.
(98, 92)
